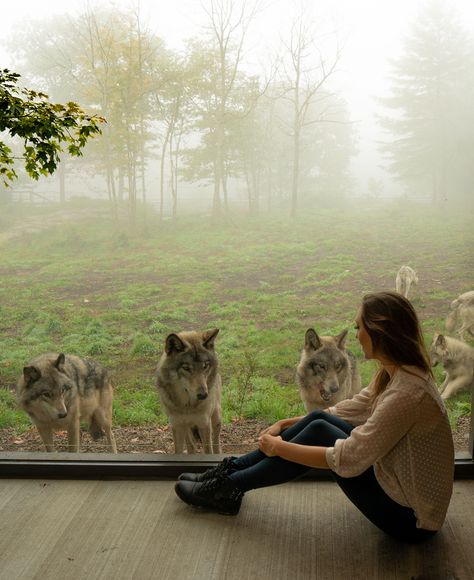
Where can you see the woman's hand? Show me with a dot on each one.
(268, 444)
(274, 429)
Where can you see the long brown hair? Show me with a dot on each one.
(395, 332)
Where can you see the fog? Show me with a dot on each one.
(254, 104)
(260, 166)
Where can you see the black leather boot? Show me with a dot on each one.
(225, 467)
(220, 494)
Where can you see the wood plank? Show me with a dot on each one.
(135, 530)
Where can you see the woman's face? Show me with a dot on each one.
(363, 337)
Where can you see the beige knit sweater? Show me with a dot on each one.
(408, 440)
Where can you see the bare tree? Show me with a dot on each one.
(228, 28)
(306, 72)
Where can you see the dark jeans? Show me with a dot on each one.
(255, 470)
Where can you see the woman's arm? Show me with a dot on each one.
(309, 455)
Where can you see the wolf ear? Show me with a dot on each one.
(341, 340)
(173, 344)
(440, 341)
(59, 364)
(31, 374)
(312, 340)
(208, 338)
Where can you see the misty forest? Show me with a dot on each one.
(147, 190)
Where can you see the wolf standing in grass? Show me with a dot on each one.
(327, 372)
(461, 314)
(189, 385)
(58, 391)
(406, 277)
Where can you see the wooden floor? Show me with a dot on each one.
(96, 530)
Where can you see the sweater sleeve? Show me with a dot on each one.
(356, 410)
(394, 415)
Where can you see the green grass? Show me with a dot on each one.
(92, 291)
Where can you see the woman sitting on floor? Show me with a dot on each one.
(390, 447)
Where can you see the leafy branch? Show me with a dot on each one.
(44, 128)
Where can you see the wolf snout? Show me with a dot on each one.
(202, 395)
(334, 388)
(62, 414)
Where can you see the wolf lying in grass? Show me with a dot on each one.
(58, 391)
(327, 373)
(457, 359)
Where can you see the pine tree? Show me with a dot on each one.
(431, 135)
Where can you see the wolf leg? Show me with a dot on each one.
(216, 435)
(179, 437)
(100, 424)
(445, 382)
(74, 434)
(407, 287)
(110, 438)
(191, 444)
(456, 385)
(398, 284)
(465, 327)
(46, 434)
(205, 436)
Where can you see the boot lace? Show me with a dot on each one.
(223, 484)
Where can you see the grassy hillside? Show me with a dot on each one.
(81, 287)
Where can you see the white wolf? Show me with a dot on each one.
(457, 359)
(406, 276)
(461, 312)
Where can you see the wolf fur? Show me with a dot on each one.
(58, 391)
(406, 277)
(461, 315)
(457, 359)
(189, 385)
(327, 373)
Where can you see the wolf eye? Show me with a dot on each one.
(338, 365)
(186, 368)
(46, 395)
(206, 364)
(318, 367)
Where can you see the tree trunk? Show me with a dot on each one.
(62, 181)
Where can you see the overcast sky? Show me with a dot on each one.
(373, 31)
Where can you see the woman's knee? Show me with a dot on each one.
(318, 414)
(319, 432)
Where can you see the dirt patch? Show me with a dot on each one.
(237, 437)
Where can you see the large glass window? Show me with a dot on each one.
(233, 193)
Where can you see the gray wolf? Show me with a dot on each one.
(457, 359)
(406, 277)
(327, 373)
(58, 391)
(189, 386)
(461, 312)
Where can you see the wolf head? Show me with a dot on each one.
(190, 363)
(324, 367)
(45, 389)
(438, 350)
